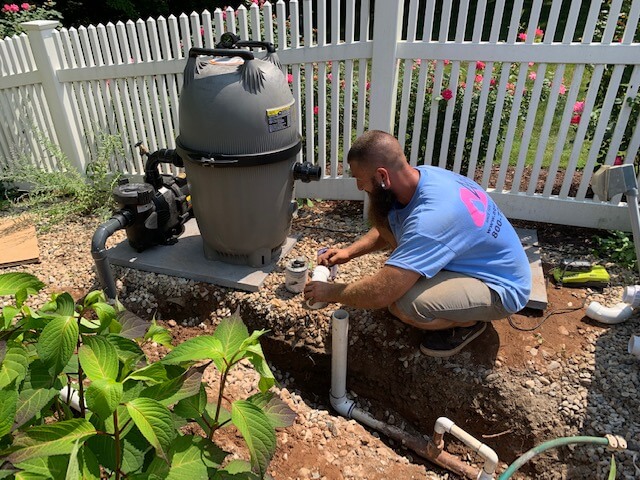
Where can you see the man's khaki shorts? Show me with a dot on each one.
(451, 296)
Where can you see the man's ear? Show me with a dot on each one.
(383, 177)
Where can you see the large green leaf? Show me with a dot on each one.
(154, 373)
(174, 390)
(132, 325)
(30, 403)
(65, 305)
(53, 439)
(277, 411)
(12, 283)
(191, 458)
(58, 341)
(99, 358)
(14, 365)
(73, 469)
(8, 406)
(155, 422)
(126, 348)
(195, 349)
(46, 467)
(103, 396)
(191, 408)
(42, 375)
(133, 448)
(257, 432)
(106, 313)
(256, 357)
(9, 312)
(231, 332)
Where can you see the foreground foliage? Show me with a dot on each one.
(79, 399)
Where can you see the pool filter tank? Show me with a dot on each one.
(239, 140)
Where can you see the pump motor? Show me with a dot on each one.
(157, 209)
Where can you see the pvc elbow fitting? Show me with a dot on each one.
(609, 315)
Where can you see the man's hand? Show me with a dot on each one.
(322, 291)
(334, 256)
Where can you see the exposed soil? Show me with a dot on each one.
(480, 389)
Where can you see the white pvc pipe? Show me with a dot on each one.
(320, 274)
(73, 399)
(443, 425)
(634, 346)
(609, 315)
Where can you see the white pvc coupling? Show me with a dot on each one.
(609, 315)
(320, 274)
(634, 346)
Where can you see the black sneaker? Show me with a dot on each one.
(444, 343)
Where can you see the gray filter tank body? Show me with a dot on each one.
(239, 140)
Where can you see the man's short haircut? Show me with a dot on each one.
(377, 149)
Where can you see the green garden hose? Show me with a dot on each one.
(613, 442)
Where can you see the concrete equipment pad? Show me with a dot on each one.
(186, 259)
(529, 238)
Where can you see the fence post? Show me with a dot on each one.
(60, 106)
(387, 29)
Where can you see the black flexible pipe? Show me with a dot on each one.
(118, 221)
(151, 173)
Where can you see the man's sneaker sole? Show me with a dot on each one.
(448, 353)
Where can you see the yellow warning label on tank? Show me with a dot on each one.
(279, 118)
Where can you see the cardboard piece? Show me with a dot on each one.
(18, 242)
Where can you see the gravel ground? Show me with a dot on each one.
(592, 392)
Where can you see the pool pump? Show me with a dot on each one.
(152, 213)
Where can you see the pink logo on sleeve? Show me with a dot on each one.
(476, 203)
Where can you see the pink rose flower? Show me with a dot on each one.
(367, 85)
(447, 94)
(479, 78)
(315, 110)
(618, 161)
(578, 107)
(480, 65)
(532, 75)
(539, 32)
(289, 78)
(575, 119)
(25, 6)
(522, 36)
(562, 89)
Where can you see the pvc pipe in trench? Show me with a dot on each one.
(443, 425)
(348, 409)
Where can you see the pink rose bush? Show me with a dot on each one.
(12, 15)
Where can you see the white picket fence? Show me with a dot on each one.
(478, 89)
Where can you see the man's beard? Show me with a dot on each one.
(380, 203)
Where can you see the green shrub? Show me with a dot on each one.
(617, 246)
(64, 191)
(79, 398)
(12, 15)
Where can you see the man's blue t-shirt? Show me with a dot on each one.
(452, 224)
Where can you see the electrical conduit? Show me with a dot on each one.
(347, 408)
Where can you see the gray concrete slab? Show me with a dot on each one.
(186, 259)
(529, 238)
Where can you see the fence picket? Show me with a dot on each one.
(125, 79)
